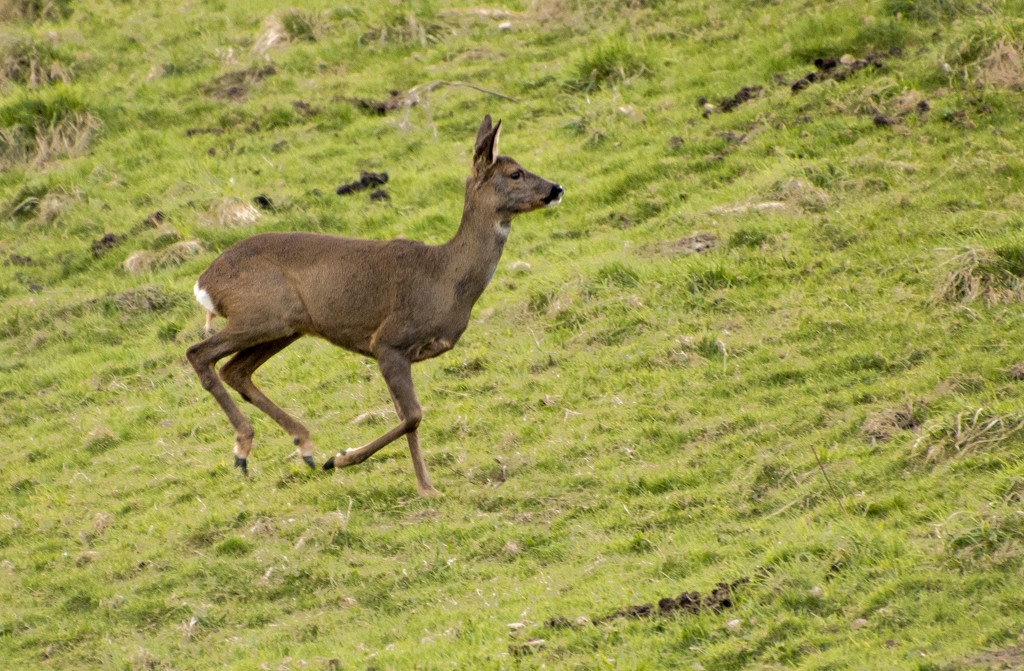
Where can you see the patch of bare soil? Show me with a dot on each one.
(886, 423)
(366, 180)
(1011, 657)
(699, 242)
(1016, 371)
(235, 85)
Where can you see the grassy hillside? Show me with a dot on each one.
(772, 337)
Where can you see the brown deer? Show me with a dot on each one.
(396, 301)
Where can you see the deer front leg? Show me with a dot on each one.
(397, 371)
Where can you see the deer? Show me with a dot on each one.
(396, 301)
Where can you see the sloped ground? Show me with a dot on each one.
(770, 342)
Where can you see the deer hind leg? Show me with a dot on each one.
(397, 371)
(204, 355)
(237, 373)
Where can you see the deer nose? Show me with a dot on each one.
(555, 196)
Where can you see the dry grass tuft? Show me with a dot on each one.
(53, 205)
(978, 273)
(1003, 67)
(33, 63)
(271, 34)
(147, 260)
(967, 433)
(292, 25)
(230, 212)
(803, 195)
(406, 28)
(37, 129)
(34, 10)
(886, 423)
(67, 137)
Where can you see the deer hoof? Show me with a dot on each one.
(241, 463)
(329, 464)
(309, 461)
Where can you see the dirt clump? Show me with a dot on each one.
(732, 102)
(263, 202)
(687, 603)
(1016, 371)
(366, 180)
(379, 195)
(395, 102)
(105, 244)
(19, 260)
(838, 69)
(305, 109)
(204, 131)
(153, 220)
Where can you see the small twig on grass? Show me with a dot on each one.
(420, 95)
(827, 479)
(348, 515)
(535, 340)
(786, 507)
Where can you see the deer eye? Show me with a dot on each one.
(515, 175)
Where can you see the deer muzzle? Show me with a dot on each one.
(554, 197)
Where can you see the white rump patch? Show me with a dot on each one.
(204, 298)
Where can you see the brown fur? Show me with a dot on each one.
(396, 301)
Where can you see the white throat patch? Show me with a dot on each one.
(503, 229)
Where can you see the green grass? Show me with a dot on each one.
(625, 419)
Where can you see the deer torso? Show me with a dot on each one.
(358, 294)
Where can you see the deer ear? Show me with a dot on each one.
(486, 149)
(485, 128)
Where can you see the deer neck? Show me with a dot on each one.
(474, 252)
